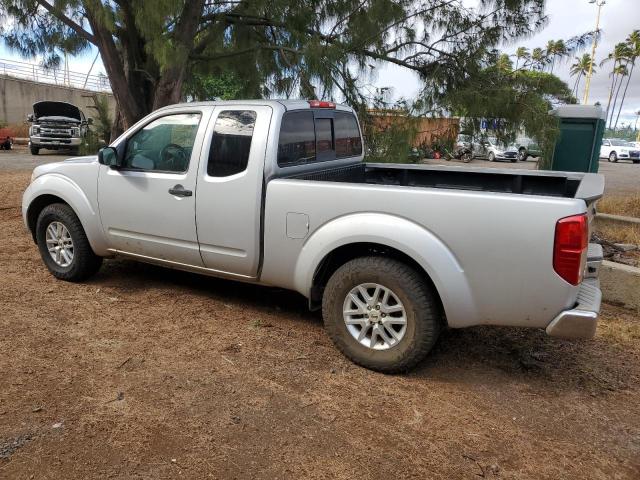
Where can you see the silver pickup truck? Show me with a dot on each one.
(277, 193)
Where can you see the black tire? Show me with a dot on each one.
(466, 157)
(613, 157)
(34, 150)
(522, 155)
(636, 161)
(492, 156)
(85, 263)
(424, 320)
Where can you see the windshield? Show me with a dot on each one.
(619, 143)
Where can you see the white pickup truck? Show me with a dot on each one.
(277, 193)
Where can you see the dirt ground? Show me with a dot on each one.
(144, 372)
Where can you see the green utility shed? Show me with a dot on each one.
(578, 146)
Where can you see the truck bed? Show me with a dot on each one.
(525, 182)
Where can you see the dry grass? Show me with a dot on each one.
(620, 233)
(628, 205)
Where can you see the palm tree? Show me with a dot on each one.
(538, 59)
(618, 56)
(555, 49)
(633, 42)
(620, 72)
(504, 63)
(522, 53)
(580, 69)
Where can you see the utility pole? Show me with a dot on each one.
(599, 3)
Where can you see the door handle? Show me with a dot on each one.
(179, 191)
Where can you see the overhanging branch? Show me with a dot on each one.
(56, 12)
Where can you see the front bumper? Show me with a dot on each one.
(507, 155)
(45, 142)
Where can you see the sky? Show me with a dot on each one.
(567, 18)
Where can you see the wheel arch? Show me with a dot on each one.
(36, 206)
(54, 188)
(350, 251)
(365, 234)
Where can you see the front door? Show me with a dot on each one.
(147, 207)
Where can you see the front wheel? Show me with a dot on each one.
(34, 150)
(466, 157)
(492, 156)
(613, 157)
(381, 314)
(63, 244)
(522, 155)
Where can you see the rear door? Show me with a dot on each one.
(230, 184)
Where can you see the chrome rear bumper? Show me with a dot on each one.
(580, 321)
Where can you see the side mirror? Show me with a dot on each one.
(30, 117)
(109, 156)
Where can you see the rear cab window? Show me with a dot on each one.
(312, 136)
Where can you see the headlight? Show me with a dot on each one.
(35, 130)
(75, 131)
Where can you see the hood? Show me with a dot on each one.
(56, 109)
(66, 167)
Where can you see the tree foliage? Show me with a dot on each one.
(519, 99)
(315, 48)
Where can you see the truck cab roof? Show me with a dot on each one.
(279, 104)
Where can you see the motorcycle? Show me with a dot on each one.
(462, 152)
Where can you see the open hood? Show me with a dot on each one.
(56, 109)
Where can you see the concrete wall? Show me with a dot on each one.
(17, 97)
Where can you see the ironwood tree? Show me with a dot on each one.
(311, 49)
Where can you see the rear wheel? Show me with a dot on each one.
(381, 314)
(63, 245)
(613, 157)
(34, 150)
(466, 157)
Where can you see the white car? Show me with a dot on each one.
(614, 149)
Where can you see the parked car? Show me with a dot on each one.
(277, 193)
(614, 149)
(491, 149)
(526, 148)
(56, 125)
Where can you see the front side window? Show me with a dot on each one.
(231, 143)
(163, 145)
(297, 144)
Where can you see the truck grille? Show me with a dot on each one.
(52, 132)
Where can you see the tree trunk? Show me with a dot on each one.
(169, 87)
(624, 94)
(613, 79)
(615, 99)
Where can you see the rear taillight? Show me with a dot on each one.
(321, 104)
(570, 247)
